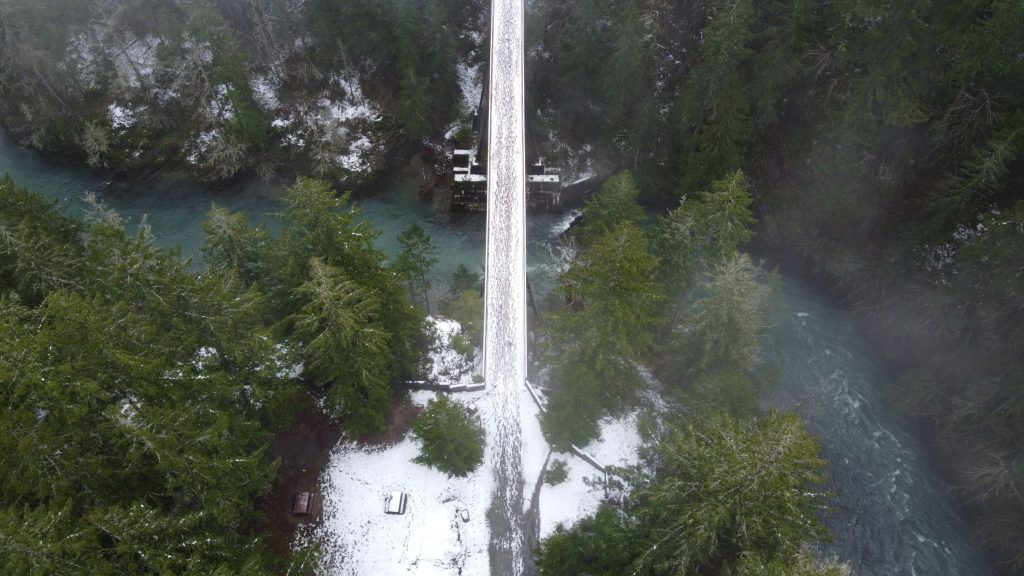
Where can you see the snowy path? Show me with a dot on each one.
(505, 284)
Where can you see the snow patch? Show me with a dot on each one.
(220, 104)
(285, 363)
(357, 538)
(446, 365)
(205, 139)
(121, 118)
(430, 538)
(137, 62)
(470, 85)
(581, 494)
(264, 91)
(339, 129)
(85, 60)
(356, 158)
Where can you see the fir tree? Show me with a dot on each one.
(416, 260)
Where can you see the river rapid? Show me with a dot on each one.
(891, 513)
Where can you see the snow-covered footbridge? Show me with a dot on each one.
(505, 283)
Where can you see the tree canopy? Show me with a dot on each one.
(725, 497)
(137, 397)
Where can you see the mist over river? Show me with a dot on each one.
(891, 513)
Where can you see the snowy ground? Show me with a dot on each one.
(430, 538)
(576, 498)
(357, 538)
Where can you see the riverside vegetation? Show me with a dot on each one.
(731, 491)
(140, 394)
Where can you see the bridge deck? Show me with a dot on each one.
(505, 281)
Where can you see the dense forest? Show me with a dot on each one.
(875, 146)
(226, 87)
(140, 395)
(883, 146)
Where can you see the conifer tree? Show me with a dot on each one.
(612, 300)
(726, 497)
(702, 231)
(346, 345)
(614, 203)
(715, 106)
(415, 261)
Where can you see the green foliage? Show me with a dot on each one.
(452, 442)
(136, 396)
(732, 392)
(231, 245)
(615, 203)
(702, 231)
(728, 497)
(805, 564)
(468, 309)
(574, 406)
(248, 126)
(606, 328)
(329, 290)
(611, 309)
(978, 176)
(464, 279)
(990, 277)
(604, 544)
(464, 346)
(346, 345)
(415, 261)
(39, 249)
(715, 106)
(48, 540)
(729, 489)
(720, 328)
(409, 46)
(317, 223)
(557, 473)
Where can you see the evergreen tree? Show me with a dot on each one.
(233, 245)
(732, 492)
(605, 544)
(726, 497)
(346, 345)
(452, 442)
(624, 72)
(612, 301)
(715, 106)
(719, 329)
(732, 392)
(703, 231)
(468, 309)
(415, 261)
(136, 398)
(317, 223)
(616, 202)
(463, 279)
(39, 249)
